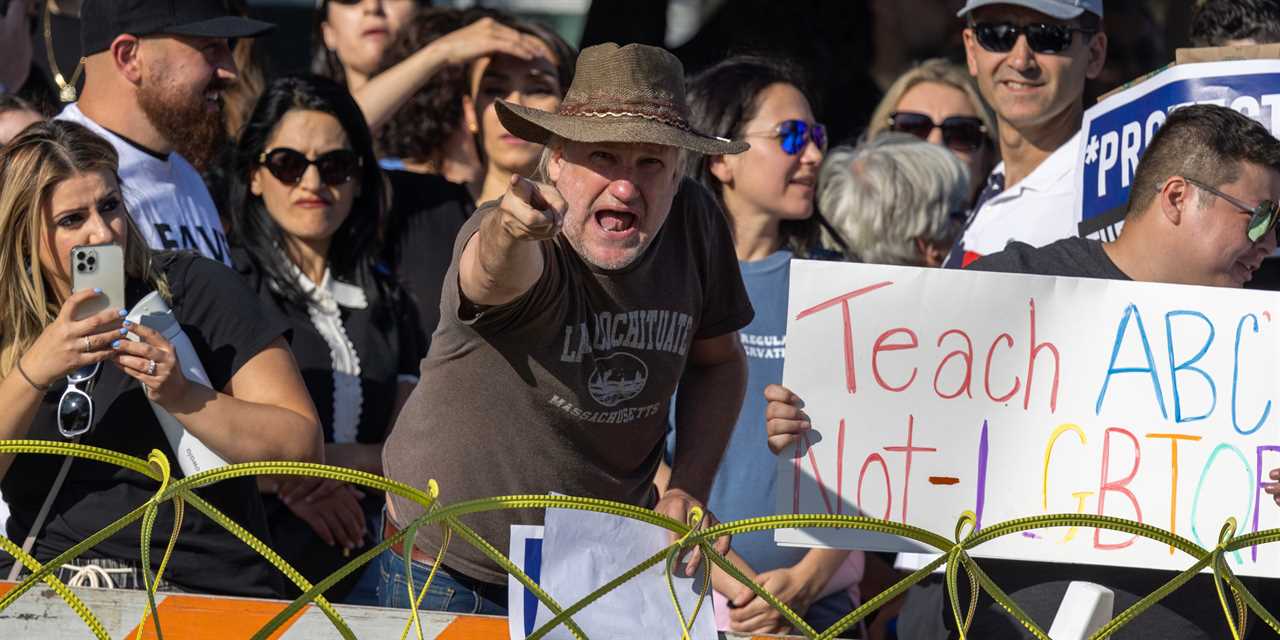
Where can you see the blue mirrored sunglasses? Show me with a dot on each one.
(793, 135)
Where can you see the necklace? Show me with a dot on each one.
(66, 90)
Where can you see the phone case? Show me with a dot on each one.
(98, 266)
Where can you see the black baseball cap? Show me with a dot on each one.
(102, 21)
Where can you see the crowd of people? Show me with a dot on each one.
(463, 250)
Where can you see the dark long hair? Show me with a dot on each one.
(355, 244)
(420, 129)
(724, 98)
(324, 62)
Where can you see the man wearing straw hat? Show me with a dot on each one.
(575, 307)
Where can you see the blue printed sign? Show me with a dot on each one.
(1116, 131)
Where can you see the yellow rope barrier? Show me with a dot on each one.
(690, 535)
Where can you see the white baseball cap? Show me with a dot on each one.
(1060, 9)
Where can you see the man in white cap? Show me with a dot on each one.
(572, 312)
(1031, 59)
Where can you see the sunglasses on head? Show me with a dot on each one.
(793, 135)
(1000, 37)
(1262, 218)
(959, 133)
(288, 165)
(75, 407)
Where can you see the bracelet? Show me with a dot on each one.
(37, 387)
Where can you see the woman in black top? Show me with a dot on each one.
(308, 201)
(59, 190)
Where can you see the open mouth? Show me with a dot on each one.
(616, 221)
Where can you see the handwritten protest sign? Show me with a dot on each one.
(1116, 131)
(933, 392)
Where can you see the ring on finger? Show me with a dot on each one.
(88, 344)
(151, 367)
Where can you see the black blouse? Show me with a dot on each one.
(355, 342)
(353, 357)
(228, 327)
(426, 214)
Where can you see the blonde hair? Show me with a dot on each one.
(542, 172)
(933, 70)
(32, 165)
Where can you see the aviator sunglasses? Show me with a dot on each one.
(1000, 37)
(75, 407)
(792, 135)
(959, 133)
(336, 167)
(1262, 218)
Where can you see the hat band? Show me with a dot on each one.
(673, 122)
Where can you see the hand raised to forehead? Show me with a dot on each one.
(532, 211)
(487, 37)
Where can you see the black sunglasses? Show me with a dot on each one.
(75, 407)
(1000, 37)
(1262, 218)
(288, 165)
(793, 135)
(959, 133)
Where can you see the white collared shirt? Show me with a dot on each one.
(323, 307)
(1039, 210)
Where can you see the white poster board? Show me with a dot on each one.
(933, 392)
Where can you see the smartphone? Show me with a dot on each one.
(98, 266)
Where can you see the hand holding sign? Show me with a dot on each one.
(785, 419)
(531, 210)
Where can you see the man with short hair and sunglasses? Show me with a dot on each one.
(1202, 211)
(1031, 59)
(155, 73)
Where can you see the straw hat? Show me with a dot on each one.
(631, 94)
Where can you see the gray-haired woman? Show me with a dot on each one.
(894, 200)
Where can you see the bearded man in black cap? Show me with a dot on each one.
(155, 72)
(572, 311)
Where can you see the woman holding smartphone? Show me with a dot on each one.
(85, 380)
(308, 203)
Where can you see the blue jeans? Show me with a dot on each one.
(365, 591)
(447, 593)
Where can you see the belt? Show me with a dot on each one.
(494, 592)
(390, 529)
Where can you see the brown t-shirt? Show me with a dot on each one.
(566, 388)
